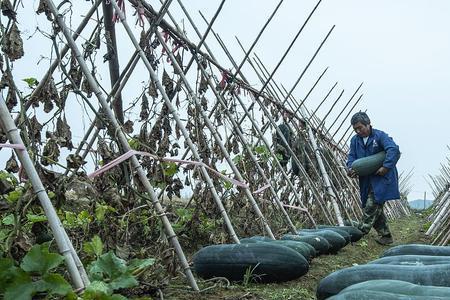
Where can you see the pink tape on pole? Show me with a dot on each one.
(295, 207)
(130, 153)
(13, 146)
(261, 189)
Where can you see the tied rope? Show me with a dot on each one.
(130, 153)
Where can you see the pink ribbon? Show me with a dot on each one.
(130, 153)
(13, 146)
(261, 189)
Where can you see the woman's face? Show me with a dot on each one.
(361, 129)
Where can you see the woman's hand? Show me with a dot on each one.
(382, 171)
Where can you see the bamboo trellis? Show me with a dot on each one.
(439, 218)
(224, 126)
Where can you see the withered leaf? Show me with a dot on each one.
(51, 153)
(104, 150)
(204, 103)
(43, 8)
(6, 79)
(128, 126)
(13, 45)
(63, 133)
(36, 129)
(152, 90)
(144, 108)
(11, 99)
(167, 83)
(8, 10)
(48, 106)
(12, 165)
(3, 137)
(75, 72)
(203, 87)
(74, 161)
(86, 87)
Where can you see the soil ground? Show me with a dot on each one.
(405, 230)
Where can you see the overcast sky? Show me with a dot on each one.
(399, 49)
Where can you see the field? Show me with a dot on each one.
(405, 230)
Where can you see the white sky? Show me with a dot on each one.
(399, 49)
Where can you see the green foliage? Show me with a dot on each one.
(184, 216)
(94, 247)
(262, 152)
(101, 210)
(8, 177)
(31, 81)
(169, 168)
(32, 218)
(237, 159)
(248, 276)
(109, 273)
(40, 260)
(8, 220)
(133, 143)
(34, 275)
(226, 184)
(72, 220)
(15, 195)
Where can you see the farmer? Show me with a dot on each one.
(377, 188)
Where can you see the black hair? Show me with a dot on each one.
(361, 117)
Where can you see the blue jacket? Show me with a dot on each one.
(384, 187)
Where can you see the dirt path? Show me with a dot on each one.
(406, 230)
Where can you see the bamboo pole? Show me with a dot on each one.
(55, 224)
(55, 63)
(250, 152)
(301, 108)
(343, 109)
(236, 127)
(123, 141)
(438, 220)
(216, 137)
(172, 110)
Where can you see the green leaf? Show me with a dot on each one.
(133, 144)
(101, 210)
(31, 81)
(4, 233)
(36, 218)
(10, 274)
(94, 247)
(8, 220)
(13, 196)
(261, 149)
(110, 265)
(40, 260)
(123, 281)
(237, 159)
(97, 289)
(170, 168)
(227, 185)
(53, 284)
(23, 290)
(135, 265)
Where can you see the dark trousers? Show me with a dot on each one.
(373, 216)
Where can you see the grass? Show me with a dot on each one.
(405, 231)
